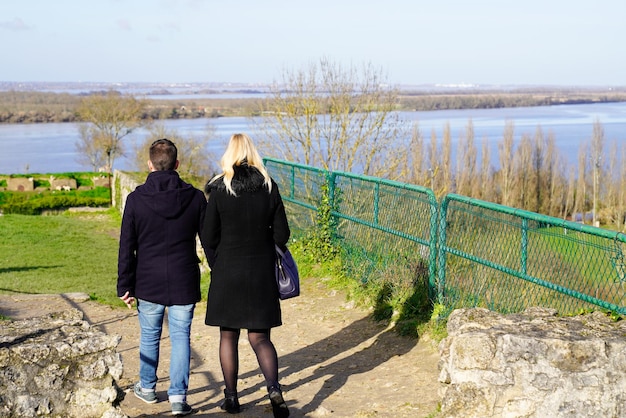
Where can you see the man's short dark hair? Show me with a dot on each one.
(163, 154)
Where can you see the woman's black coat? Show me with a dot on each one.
(238, 237)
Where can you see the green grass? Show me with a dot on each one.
(60, 254)
(72, 252)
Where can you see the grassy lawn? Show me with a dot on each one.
(60, 254)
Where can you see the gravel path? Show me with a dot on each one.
(334, 360)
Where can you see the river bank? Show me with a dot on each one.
(60, 104)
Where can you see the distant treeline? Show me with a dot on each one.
(45, 107)
(492, 100)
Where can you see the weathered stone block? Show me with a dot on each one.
(58, 365)
(100, 182)
(62, 184)
(533, 365)
(20, 184)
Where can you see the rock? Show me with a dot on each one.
(533, 364)
(58, 365)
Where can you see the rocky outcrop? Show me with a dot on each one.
(533, 364)
(58, 365)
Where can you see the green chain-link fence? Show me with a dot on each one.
(386, 230)
(508, 259)
(470, 252)
(301, 188)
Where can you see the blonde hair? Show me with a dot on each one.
(240, 150)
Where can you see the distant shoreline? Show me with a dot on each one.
(228, 87)
(35, 106)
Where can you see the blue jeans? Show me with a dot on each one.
(151, 323)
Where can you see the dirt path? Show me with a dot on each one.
(334, 361)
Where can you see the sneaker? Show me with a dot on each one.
(147, 397)
(181, 408)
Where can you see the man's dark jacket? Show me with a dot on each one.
(157, 260)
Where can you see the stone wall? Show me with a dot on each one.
(121, 186)
(533, 364)
(58, 365)
(23, 184)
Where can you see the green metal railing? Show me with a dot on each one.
(300, 187)
(471, 252)
(387, 230)
(508, 259)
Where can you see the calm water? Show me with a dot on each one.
(44, 148)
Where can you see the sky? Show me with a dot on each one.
(411, 42)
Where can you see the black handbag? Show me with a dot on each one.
(287, 277)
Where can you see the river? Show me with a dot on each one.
(50, 148)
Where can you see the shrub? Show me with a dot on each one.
(34, 203)
(52, 202)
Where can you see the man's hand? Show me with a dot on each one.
(128, 300)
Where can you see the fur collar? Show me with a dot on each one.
(245, 179)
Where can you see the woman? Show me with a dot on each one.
(245, 217)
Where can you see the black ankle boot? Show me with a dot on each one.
(279, 407)
(231, 403)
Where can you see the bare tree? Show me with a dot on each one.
(621, 205)
(597, 144)
(434, 161)
(538, 161)
(555, 176)
(485, 184)
(89, 148)
(505, 155)
(446, 161)
(570, 195)
(438, 176)
(580, 200)
(524, 175)
(110, 118)
(335, 118)
(416, 157)
(466, 161)
(612, 189)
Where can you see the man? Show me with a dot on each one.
(159, 268)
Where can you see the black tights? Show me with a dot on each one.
(263, 348)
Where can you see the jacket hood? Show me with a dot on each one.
(245, 179)
(165, 193)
